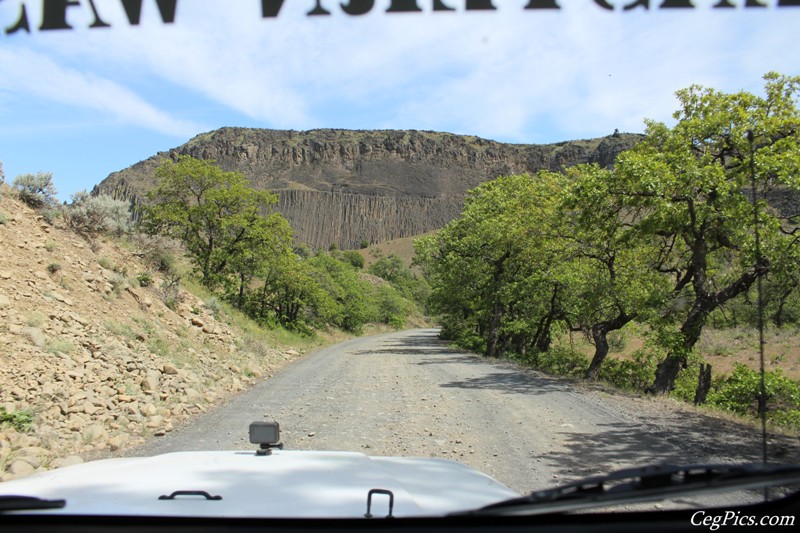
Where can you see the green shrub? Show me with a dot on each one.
(118, 283)
(686, 382)
(145, 279)
(3, 218)
(616, 341)
(462, 333)
(633, 373)
(59, 345)
(19, 420)
(214, 305)
(36, 319)
(560, 361)
(91, 215)
(52, 268)
(50, 214)
(354, 258)
(390, 306)
(740, 391)
(36, 191)
(170, 292)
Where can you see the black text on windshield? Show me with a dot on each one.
(55, 13)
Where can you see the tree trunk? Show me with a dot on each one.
(600, 338)
(240, 297)
(600, 333)
(263, 312)
(668, 369)
(666, 373)
(543, 336)
(778, 319)
(494, 331)
(703, 384)
(497, 307)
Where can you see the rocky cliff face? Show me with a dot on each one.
(346, 187)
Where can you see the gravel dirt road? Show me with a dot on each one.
(409, 393)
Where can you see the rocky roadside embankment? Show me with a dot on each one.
(92, 361)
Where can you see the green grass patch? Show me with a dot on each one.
(59, 345)
(106, 263)
(35, 319)
(19, 420)
(121, 330)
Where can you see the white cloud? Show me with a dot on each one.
(30, 73)
(510, 74)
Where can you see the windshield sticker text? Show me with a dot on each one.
(55, 14)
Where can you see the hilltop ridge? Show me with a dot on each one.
(347, 187)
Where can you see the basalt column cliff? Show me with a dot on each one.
(347, 187)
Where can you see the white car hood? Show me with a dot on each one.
(288, 484)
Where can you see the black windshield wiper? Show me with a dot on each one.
(648, 483)
(27, 503)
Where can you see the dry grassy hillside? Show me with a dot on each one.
(92, 361)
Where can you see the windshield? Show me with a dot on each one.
(542, 239)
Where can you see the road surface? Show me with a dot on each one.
(409, 393)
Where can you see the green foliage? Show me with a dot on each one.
(3, 218)
(59, 346)
(665, 238)
(145, 279)
(689, 188)
(616, 341)
(118, 283)
(163, 260)
(390, 306)
(19, 420)
(495, 279)
(214, 213)
(248, 258)
(347, 299)
(106, 263)
(302, 250)
(686, 382)
(92, 215)
(560, 361)
(392, 269)
(740, 392)
(214, 305)
(633, 373)
(354, 258)
(50, 214)
(37, 190)
(52, 268)
(169, 291)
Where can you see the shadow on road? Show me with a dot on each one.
(417, 344)
(509, 382)
(687, 440)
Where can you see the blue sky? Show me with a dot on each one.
(83, 103)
